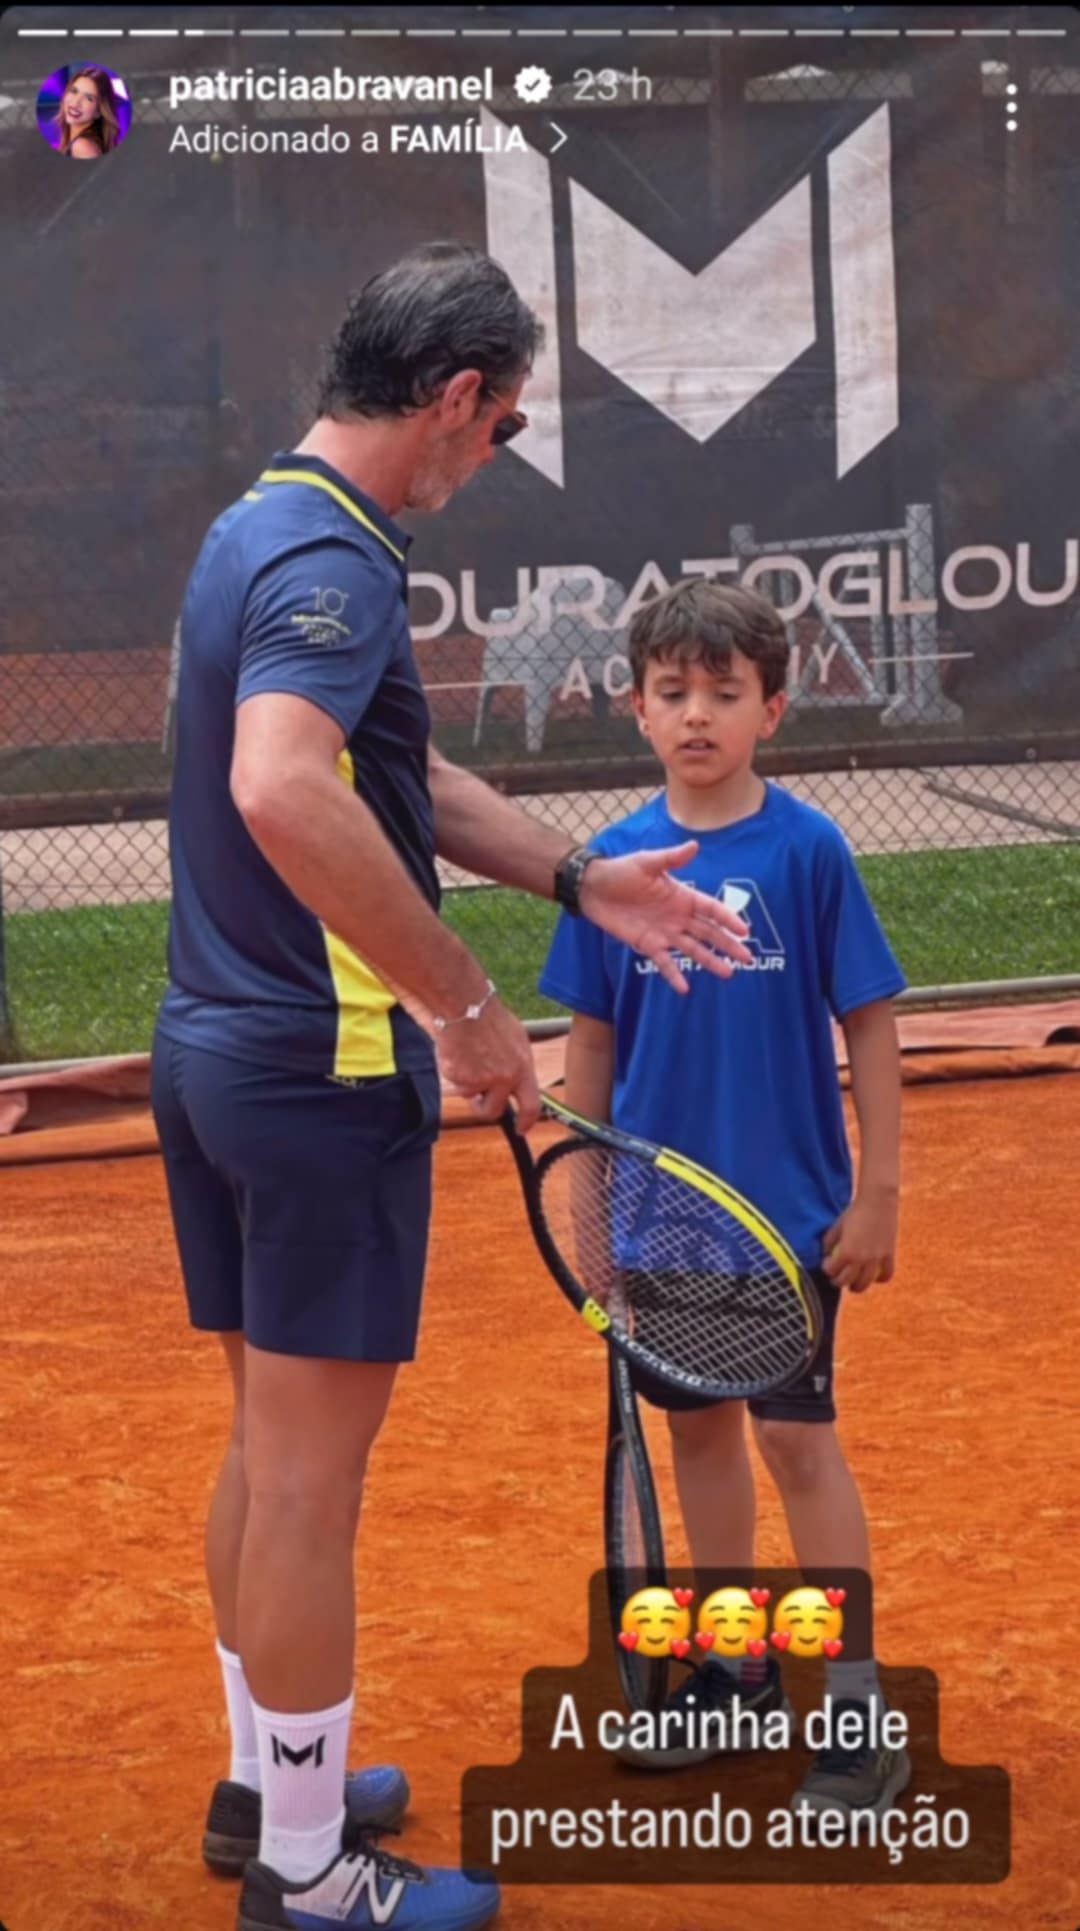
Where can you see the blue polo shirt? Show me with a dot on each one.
(300, 588)
(740, 1075)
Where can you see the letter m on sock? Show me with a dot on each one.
(282, 1753)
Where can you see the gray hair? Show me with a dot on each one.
(442, 308)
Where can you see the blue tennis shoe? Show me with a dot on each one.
(365, 1887)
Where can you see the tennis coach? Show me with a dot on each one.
(296, 1097)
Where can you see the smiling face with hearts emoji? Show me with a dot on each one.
(810, 1621)
(729, 1620)
(652, 1621)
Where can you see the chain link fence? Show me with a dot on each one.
(134, 429)
(972, 865)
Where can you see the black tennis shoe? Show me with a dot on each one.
(709, 1714)
(863, 1778)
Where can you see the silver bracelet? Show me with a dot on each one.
(471, 1012)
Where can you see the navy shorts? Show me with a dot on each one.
(301, 1206)
(810, 1398)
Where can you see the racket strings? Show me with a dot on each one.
(687, 1284)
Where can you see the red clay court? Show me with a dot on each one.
(484, 1503)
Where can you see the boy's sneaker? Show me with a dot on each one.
(376, 1799)
(681, 1734)
(365, 1887)
(864, 1778)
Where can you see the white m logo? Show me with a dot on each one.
(700, 347)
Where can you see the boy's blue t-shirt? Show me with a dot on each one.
(740, 1074)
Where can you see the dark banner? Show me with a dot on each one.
(810, 287)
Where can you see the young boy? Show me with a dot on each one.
(741, 1076)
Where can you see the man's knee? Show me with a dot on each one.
(705, 1431)
(324, 1472)
(301, 1504)
(310, 1426)
(796, 1452)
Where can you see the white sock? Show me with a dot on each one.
(302, 1762)
(858, 1680)
(244, 1767)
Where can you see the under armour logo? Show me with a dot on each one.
(743, 895)
(282, 1754)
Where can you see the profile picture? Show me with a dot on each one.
(84, 111)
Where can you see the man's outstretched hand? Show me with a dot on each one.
(636, 900)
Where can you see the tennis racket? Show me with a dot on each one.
(677, 1271)
(633, 1536)
(680, 1273)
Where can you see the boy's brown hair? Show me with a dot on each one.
(698, 621)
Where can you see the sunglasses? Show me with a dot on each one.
(507, 428)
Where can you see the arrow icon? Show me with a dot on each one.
(563, 138)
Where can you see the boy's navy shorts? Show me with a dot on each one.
(301, 1206)
(810, 1398)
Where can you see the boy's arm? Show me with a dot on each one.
(861, 1248)
(590, 1067)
